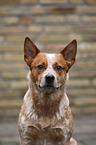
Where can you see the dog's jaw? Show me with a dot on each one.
(59, 101)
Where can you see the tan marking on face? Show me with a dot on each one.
(59, 60)
(35, 72)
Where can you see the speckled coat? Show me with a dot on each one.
(45, 117)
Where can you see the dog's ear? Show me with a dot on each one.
(69, 53)
(30, 51)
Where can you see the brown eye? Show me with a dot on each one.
(58, 68)
(40, 67)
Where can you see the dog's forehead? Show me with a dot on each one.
(50, 58)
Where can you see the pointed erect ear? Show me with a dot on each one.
(30, 51)
(69, 53)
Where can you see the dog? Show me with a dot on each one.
(45, 117)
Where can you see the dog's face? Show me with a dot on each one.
(49, 71)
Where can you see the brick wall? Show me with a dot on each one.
(50, 24)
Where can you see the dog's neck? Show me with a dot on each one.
(48, 104)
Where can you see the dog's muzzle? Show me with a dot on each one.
(49, 82)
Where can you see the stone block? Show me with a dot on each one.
(29, 2)
(10, 67)
(0, 57)
(0, 20)
(9, 2)
(14, 11)
(78, 83)
(87, 46)
(1, 113)
(83, 111)
(81, 92)
(54, 47)
(52, 38)
(85, 65)
(13, 75)
(14, 94)
(20, 84)
(4, 85)
(76, 1)
(85, 28)
(76, 36)
(88, 19)
(35, 28)
(82, 74)
(53, 1)
(13, 57)
(89, 37)
(16, 38)
(57, 29)
(11, 20)
(91, 1)
(94, 82)
(86, 9)
(84, 102)
(1, 38)
(73, 19)
(11, 48)
(12, 29)
(1, 94)
(12, 112)
(37, 10)
(10, 103)
(50, 19)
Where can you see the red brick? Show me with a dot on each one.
(62, 10)
(26, 20)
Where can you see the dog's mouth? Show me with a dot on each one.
(48, 87)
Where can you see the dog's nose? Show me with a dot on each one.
(49, 78)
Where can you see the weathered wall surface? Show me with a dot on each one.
(51, 24)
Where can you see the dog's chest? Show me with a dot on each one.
(45, 134)
(48, 132)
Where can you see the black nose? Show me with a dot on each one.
(49, 78)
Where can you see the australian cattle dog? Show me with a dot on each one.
(45, 117)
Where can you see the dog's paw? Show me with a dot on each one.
(73, 142)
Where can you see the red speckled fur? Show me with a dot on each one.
(45, 117)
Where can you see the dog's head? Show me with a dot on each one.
(49, 71)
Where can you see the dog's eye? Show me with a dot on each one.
(40, 67)
(58, 67)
